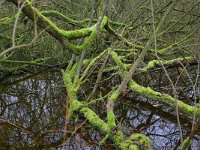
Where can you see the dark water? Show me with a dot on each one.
(32, 113)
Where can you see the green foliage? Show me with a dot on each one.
(128, 28)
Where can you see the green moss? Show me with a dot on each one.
(152, 63)
(184, 107)
(58, 15)
(143, 90)
(77, 49)
(163, 97)
(77, 105)
(186, 143)
(133, 147)
(72, 71)
(94, 119)
(103, 141)
(118, 137)
(81, 33)
(136, 141)
(115, 95)
(117, 60)
(141, 140)
(70, 92)
(39, 15)
(104, 22)
(128, 146)
(75, 34)
(111, 119)
(67, 80)
(68, 34)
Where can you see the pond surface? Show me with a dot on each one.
(32, 113)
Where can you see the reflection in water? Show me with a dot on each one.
(32, 115)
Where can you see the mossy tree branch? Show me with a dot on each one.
(56, 14)
(128, 75)
(60, 34)
(150, 93)
(134, 141)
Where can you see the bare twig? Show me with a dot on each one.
(15, 24)
(83, 39)
(66, 123)
(14, 47)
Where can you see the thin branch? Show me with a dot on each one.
(15, 24)
(20, 46)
